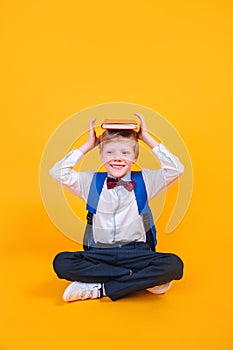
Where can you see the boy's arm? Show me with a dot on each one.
(171, 167)
(62, 171)
(143, 133)
(92, 141)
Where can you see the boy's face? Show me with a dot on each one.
(118, 157)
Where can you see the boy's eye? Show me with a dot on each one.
(125, 152)
(109, 152)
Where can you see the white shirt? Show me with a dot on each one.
(117, 218)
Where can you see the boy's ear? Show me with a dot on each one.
(101, 153)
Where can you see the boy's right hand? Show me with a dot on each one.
(92, 141)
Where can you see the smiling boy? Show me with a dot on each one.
(121, 261)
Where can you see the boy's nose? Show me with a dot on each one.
(117, 157)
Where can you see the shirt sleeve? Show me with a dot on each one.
(75, 182)
(158, 181)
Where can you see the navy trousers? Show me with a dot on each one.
(123, 269)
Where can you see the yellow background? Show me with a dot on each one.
(60, 57)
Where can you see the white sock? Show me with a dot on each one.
(103, 288)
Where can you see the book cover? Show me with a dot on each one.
(119, 124)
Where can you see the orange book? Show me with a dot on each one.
(121, 124)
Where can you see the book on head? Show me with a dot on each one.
(120, 124)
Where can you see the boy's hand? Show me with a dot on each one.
(143, 133)
(92, 141)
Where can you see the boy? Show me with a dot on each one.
(121, 262)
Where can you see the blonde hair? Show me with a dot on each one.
(117, 135)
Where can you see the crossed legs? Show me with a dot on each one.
(122, 270)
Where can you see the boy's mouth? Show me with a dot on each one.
(117, 166)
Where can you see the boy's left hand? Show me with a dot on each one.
(143, 133)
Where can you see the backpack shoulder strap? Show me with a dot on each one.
(144, 209)
(140, 191)
(95, 190)
(91, 206)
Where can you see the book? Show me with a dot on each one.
(120, 124)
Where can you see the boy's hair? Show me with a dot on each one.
(113, 135)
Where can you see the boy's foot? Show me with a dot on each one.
(163, 288)
(81, 291)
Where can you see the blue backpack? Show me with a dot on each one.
(142, 203)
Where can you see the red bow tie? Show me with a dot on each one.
(111, 183)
